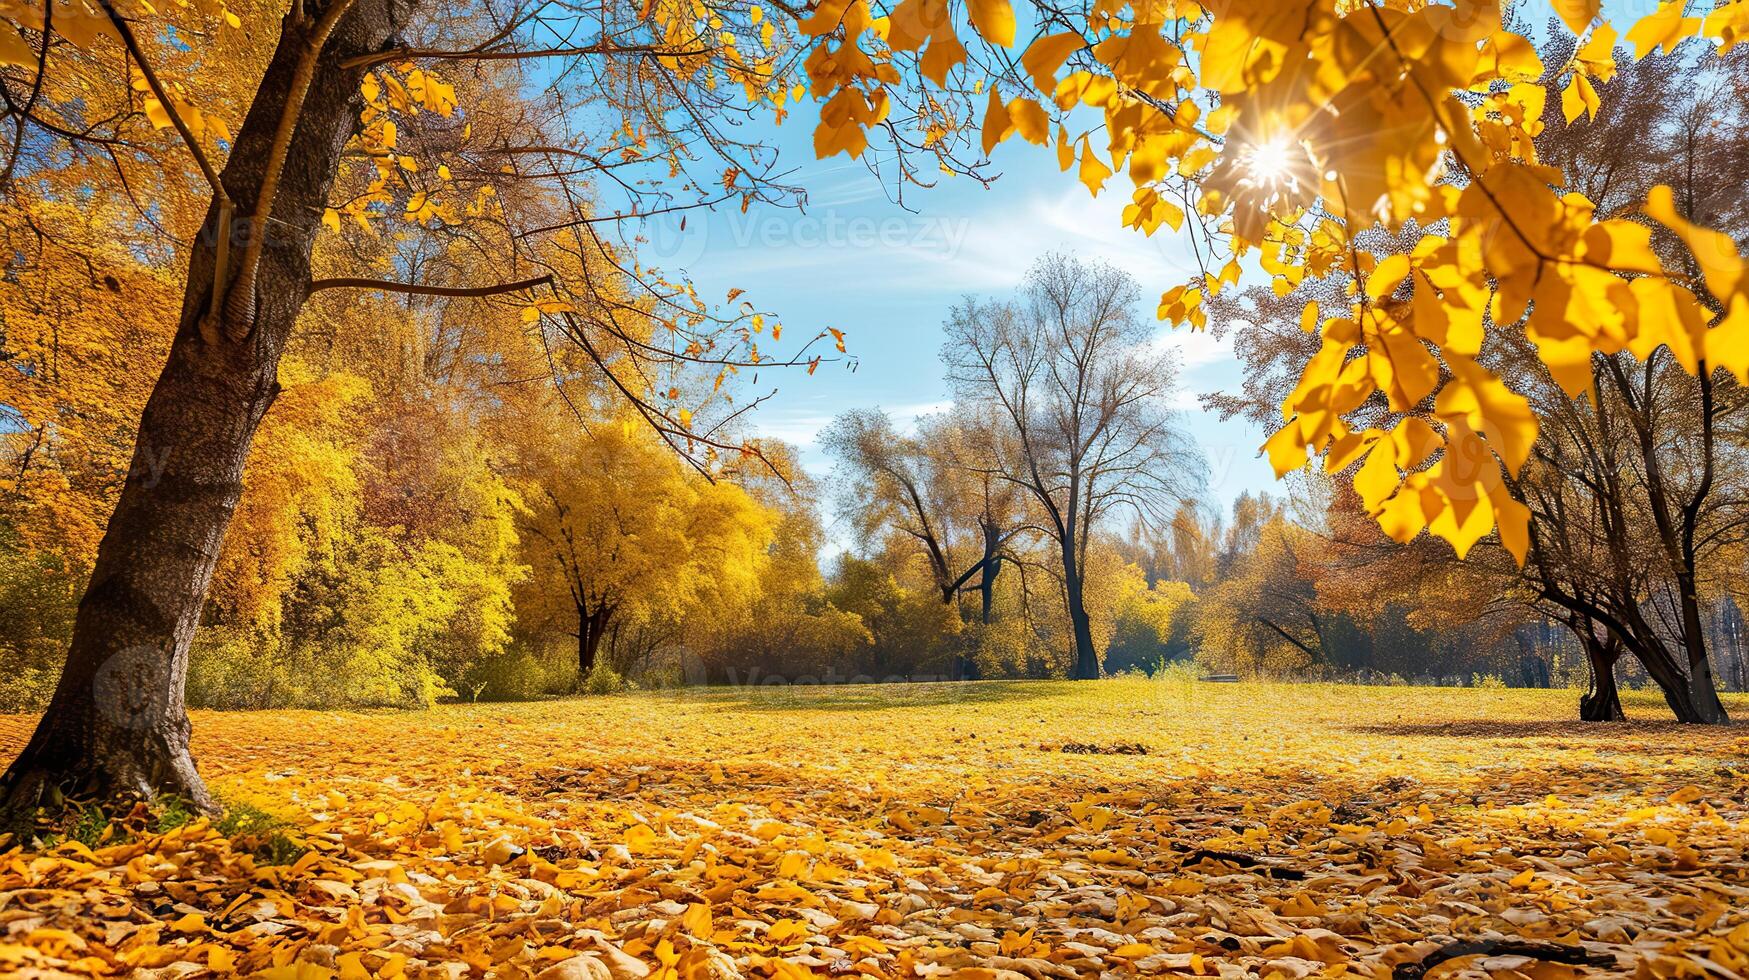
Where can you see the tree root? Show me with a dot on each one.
(1547, 952)
(1247, 862)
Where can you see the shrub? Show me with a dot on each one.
(603, 680)
(522, 673)
(27, 689)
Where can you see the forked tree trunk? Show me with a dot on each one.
(117, 724)
(1602, 702)
(992, 567)
(591, 627)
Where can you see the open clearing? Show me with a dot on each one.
(1051, 829)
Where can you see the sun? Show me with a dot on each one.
(1270, 162)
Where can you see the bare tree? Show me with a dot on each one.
(934, 490)
(1077, 395)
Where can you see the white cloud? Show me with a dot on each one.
(978, 242)
(904, 416)
(1194, 348)
(797, 427)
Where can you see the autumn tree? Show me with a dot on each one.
(1263, 120)
(348, 122)
(1639, 461)
(1080, 424)
(1267, 615)
(791, 628)
(620, 532)
(932, 487)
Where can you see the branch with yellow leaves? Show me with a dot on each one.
(222, 200)
(516, 54)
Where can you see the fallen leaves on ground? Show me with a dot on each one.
(923, 831)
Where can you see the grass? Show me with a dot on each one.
(1396, 806)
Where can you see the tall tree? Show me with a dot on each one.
(622, 531)
(350, 98)
(1077, 396)
(932, 488)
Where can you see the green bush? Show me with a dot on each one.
(38, 597)
(27, 689)
(522, 674)
(603, 680)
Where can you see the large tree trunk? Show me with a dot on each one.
(117, 725)
(1733, 643)
(992, 568)
(1703, 692)
(1603, 701)
(987, 590)
(1086, 657)
(1667, 673)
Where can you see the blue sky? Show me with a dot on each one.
(887, 276)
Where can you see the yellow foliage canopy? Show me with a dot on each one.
(1269, 119)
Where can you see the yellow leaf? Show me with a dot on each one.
(1663, 28)
(1512, 523)
(155, 113)
(1577, 14)
(1030, 120)
(997, 123)
(697, 920)
(1714, 250)
(945, 51)
(1044, 56)
(296, 971)
(352, 966)
(220, 959)
(994, 20)
(1286, 452)
(1579, 97)
(14, 49)
(1093, 172)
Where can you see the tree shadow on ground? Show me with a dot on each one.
(870, 697)
(1614, 735)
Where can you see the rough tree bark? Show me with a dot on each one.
(117, 725)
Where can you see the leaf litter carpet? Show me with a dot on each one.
(973, 832)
